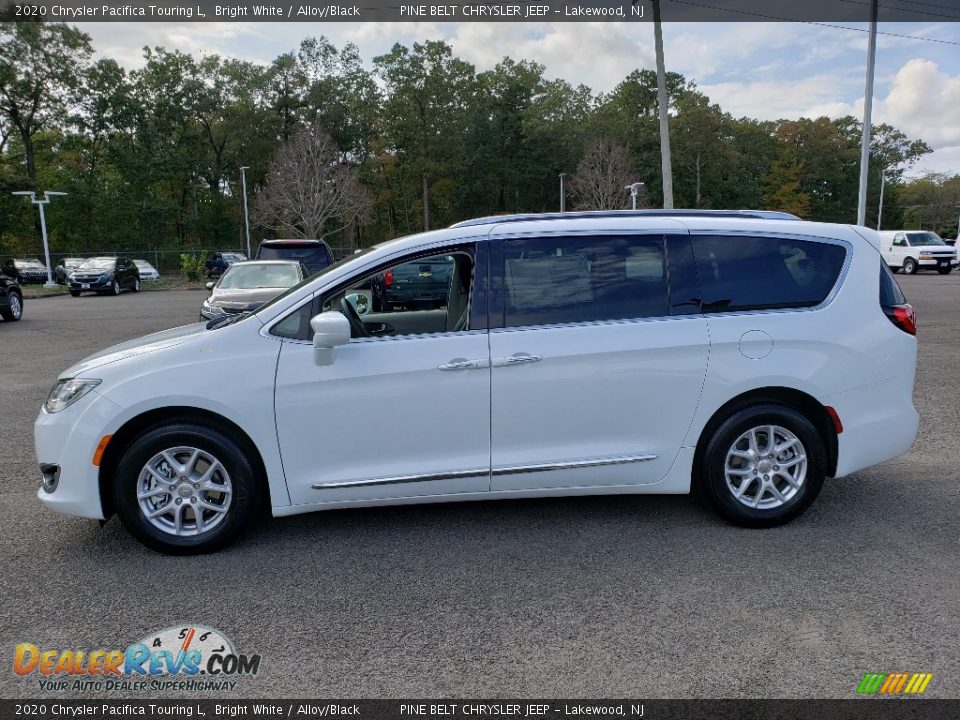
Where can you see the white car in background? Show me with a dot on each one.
(148, 272)
(913, 250)
(745, 355)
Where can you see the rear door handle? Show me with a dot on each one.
(463, 364)
(517, 359)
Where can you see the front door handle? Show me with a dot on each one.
(517, 359)
(463, 364)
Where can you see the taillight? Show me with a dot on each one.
(388, 278)
(903, 317)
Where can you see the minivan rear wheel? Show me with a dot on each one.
(764, 465)
(185, 489)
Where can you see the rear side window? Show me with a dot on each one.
(553, 280)
(762, 273)
(890, 292)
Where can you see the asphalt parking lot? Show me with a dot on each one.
(606, 597)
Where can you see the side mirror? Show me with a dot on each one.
(330, 329)
(210, 286)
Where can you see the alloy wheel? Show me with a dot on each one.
(184, 491)
(765, 467)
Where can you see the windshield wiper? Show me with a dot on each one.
(226, 320)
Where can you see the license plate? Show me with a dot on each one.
(85, 286)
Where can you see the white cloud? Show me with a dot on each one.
(760, 70)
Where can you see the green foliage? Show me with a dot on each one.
(193, 267)
(150, 158)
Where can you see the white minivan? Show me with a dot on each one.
(746, 356)
(913, 250)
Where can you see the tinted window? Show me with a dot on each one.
(314, 257)
(583, 279)
(890, 293)
(760, 273)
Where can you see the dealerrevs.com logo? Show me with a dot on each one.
(188, 658)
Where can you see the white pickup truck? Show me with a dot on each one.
(913, 250)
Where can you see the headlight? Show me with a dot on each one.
(211, 310)
(66, 392)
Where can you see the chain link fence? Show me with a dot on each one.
(167, 262)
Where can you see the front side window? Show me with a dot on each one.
(899, 240)
(761, 273)
(422, 294)
(426, 294)
(555, 280)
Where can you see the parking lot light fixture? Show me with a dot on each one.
(634, 190)
(43, 226)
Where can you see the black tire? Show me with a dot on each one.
(136, 285)
(944, 270)
(910, 266)
(115, 288)
(713, 476)
(244, 497)
(13, 310)
(75, 293)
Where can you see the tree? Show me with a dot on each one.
(601, 177)
(308, 184)
(41, 72)
(429, 96)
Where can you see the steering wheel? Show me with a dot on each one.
(357, 328)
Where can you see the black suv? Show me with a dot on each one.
(105, 275)
(315, 254)
(11, 296)
(218, 261)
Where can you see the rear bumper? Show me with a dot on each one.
(879, 424)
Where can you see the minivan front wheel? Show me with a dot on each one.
(764, 465)
(184, 489)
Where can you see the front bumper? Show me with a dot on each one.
(67, 440)
(32, 278)
(932, 262)
(96, 284)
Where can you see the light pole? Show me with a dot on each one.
(563, 194)
(634, 189)
(246, 216)
(867, 115)
(665, 165)
(883, 182)
(43, 226)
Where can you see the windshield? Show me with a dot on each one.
(103, 263)
(924, 238)
(337, 264)
(250, 276)
(143, 264)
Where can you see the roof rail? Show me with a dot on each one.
(528, 217)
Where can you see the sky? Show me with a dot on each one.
(762, 70)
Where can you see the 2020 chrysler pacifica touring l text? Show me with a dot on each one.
(744, 355)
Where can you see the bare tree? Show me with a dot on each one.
(309, 183)
(601, 177)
